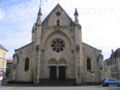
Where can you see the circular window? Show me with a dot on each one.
(58, 13)
(58, 45)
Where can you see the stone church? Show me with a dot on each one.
(57, 53)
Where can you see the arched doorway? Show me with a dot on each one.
(62, 73)
(52, 69)
(53, 73)
(62, 70)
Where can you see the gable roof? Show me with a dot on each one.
(58, 5)
(91, 46)
(2, 47)
(116, 53)
(24, 46)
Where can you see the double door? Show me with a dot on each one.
(61, 70)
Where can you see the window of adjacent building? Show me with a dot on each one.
(3, 63)
(26, 64)
(115, 61)
(88, 64)
(116, 69)
(112, 69)
(110, 62)
(4, 55)
(58, 22)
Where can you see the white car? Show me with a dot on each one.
(1, 77)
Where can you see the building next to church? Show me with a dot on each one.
(3, 56)
(107, 72)
(112, 65)
(57, 53)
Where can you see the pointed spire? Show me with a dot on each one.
(76, 16)
(76, 12)
(33, 29)
(38, 22)
(39, 13)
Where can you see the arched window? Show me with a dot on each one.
(26, 64)
(17, 59)
(58, 22)
(88, 64)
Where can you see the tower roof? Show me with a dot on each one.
(33, 29)
(116, 53)
(76, 12)
(39, 12)
(38, 22)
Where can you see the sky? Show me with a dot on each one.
(100, 21)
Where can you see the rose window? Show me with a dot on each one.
(58, 45)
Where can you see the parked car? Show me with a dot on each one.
(1, 77)
(110, 81)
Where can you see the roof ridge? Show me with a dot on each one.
(2, 47)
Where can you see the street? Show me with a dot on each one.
(58, 88)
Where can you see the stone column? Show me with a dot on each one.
(78, 48)
(78, 76)
(57, 72)
(37, 66)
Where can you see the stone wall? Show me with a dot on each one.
(19, 74)
(67, 54)
(93, 75)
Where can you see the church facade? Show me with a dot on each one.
(57, 53)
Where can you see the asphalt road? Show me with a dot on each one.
(58, 88)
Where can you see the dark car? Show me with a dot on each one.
(110, 81)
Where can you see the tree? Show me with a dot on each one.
(8, 71)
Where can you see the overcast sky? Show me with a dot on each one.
(100, 20)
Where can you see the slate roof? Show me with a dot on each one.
(2, 47)
(116, 53)
(10, 61)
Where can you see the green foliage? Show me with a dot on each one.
(8, 71)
